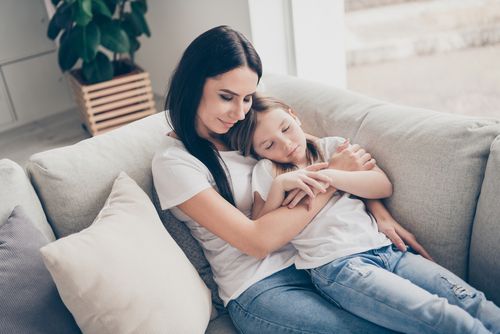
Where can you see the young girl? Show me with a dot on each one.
(350, 262)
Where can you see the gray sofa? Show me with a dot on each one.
(445, 170)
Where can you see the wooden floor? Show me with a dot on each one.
(58, 130)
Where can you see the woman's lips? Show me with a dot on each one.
(227, 124)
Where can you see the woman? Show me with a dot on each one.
(210, 90)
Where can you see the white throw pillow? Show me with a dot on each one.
(125, 274)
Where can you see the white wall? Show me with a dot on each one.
(175, 23)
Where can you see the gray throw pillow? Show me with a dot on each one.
(29, 301)
(182, 236)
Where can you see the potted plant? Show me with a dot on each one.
(99, 39)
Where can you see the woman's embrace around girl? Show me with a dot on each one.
(350, 262)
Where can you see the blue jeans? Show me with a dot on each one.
(405, 292)
(287, 302)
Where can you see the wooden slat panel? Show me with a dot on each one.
(123, 111)
(117, 89)
(118, 104)
(125, 119)
(120, 96)
(115, 82)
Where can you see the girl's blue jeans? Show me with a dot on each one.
(287, 302)
(405, 292)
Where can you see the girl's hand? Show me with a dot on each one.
(296, 195)
(351, 158)
(399, 235)
(308, 180)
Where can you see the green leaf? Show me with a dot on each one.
(130, 25)
(88, 39)
(100, 7)
(55, 2)
(111, 5)
(139, 20)
(113, 37)
(69, 2)
(68, 54)
(54, 29)
(83, 14)
(98, 70)
(63, 16)
(139, 6)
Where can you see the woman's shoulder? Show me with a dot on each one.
(173, 153)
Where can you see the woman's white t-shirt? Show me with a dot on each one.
(177, 177)
(343, 227)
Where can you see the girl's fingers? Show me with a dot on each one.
(318, 166)
(313, 183)
(319, 177)
(365, 158)
(370, 164)
(302, 185)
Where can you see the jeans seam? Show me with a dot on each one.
(388, 305)
(251, 315)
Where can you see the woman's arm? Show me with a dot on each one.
(257, 237)
(395, 232)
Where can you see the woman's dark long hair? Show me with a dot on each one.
(216, 51)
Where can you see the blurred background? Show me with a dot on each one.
(435, 54)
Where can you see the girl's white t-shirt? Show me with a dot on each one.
(177, 177)
(343, 227)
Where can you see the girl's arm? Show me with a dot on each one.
(369, 184)
(257, 237)
(308, 180)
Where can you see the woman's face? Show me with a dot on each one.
(225, 100)
(279, 137)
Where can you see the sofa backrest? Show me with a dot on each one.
(73, 182)
(484, 262)
(16, 190)
(436, 161)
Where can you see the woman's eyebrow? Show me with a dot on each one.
(233, 93)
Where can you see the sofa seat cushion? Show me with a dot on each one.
(15, 190)
(125, 274)
(436, 161)
(29, 301)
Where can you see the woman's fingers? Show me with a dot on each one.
(297, 199)
(291, 195)
(412, 242)
(312, 183)
(370, 164)
(395, 239)
(305, 188)
(319, 177)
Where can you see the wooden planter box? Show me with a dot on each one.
(108, 105)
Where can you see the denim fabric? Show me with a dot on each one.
(406, 292)
(287, 302)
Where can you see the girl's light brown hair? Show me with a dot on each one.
(239, 137)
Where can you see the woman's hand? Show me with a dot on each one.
(401, 236)
(351, 158)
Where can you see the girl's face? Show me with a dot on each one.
(279, 137)
(225, 100)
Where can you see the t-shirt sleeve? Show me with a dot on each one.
(328, 145)
(262, 178)
(178, 176)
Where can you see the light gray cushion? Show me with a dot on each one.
(182, 236)
(73, 182)
(435, 161)
(484, 270)
(29, 301)
(16, 190)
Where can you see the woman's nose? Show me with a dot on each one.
(239, 111)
